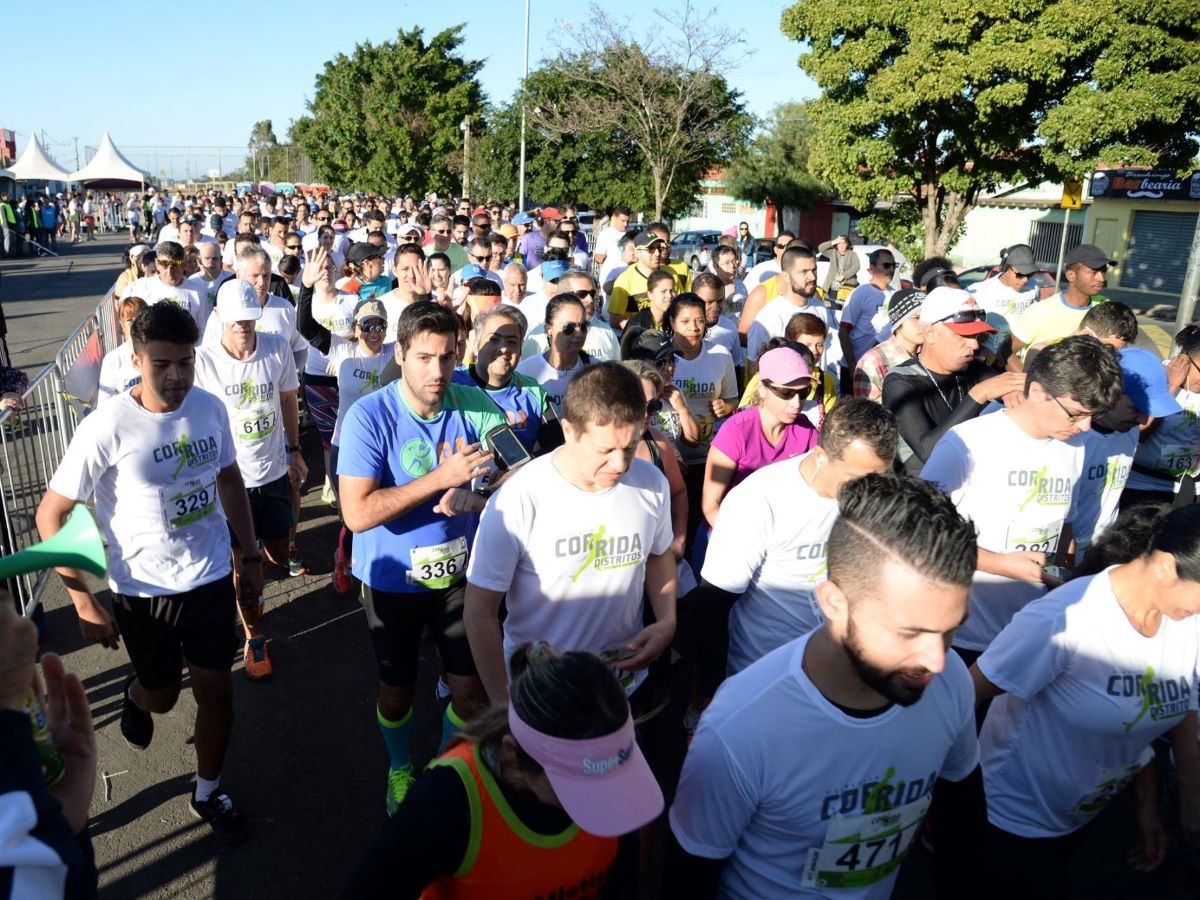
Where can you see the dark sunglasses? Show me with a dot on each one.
(665, 362)
(571, 327)
(654, 407)
(885, 265)
(373, 328)
(963, 316)
(293, 247)
(781, 246)
(480, 259)
(585, 293)
(787, 395)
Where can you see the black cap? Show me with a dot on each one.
(904, 303)
(649, 344)
(361, 250)
(1090, 255)
(646, 239)
(1019, 258)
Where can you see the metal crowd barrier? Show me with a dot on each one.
(34, 439)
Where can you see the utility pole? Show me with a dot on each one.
(1191, 283)
(466, 130)
(76, 140)
(524, 78)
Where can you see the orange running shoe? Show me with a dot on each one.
(258, 661)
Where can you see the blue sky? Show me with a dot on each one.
(170, 81)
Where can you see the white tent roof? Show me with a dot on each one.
(109, 165)
(35, 165)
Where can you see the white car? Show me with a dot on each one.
(902, 277)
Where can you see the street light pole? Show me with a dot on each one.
(466, 130)
(521, 201)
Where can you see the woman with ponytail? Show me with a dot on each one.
(1085, 679)
(532, 798)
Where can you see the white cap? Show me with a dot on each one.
(237, 302)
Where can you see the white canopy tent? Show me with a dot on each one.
(35, 165)
(110, 169)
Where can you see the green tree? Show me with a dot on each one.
(935, 101)
(660, 99)
(262, 142)
(775, 166)
(386, 118)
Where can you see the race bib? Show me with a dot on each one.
(189, 505)
(1041, 538)
(862, 850)
(1178, 459)
(257, 423)
(439, 566)
(1110, 781)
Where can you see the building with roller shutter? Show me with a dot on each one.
(1146, 221)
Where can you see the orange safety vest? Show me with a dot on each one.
(505, 859)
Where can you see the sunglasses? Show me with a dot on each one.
(665, 362)
(781, 246)
(480, 259)
(571, 327)
(292, 247)
(654, 407)
(885, 265)
(373, 328)
(169, 262)
(962, 317)
(585, 294)
(787, 395)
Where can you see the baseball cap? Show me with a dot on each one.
(522, 218)
(904, 303)
(783, 365)
(369, 309)
(1020, 259)
(1090, 255)
(603, 783)
(361, 250)
(471, 270)
(408, 227)
(957, 310)
(480, 211)
(647, 239)
(1145, 381)
(237, 302)
(553, 269)
(549, 212)
(509, 231)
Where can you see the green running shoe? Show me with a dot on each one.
(398, 783)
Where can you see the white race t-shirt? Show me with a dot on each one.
(1086, 694)
(357, 376)
(725, 334)
(1018, 491)
(1172, 447)
(154, 476)
(1107, 459)
(279, 317)
(117, 372)
(761, 272)
(769, 546)
(207, 291)
(702, 380)
(337, 317)
(772, 320)
(573, 562)
(553, 382)
(250, 390)
(153, 289)
(994, 296)
(797, 793)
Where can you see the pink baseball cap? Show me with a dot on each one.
(783, 365)
(603, 783)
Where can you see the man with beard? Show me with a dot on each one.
(879, 707)
(797, 293)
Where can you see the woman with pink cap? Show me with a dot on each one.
(772, 430)
(532, 799)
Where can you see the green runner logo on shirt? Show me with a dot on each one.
(248, 391)
(1163, 698)
(186, 452)
(601, 551)
(417, 458)
(1044, 490)
(370, 381)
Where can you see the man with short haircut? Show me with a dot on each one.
(766, 553)
(879, 707)
(533, 242)
(407, 456)
(254, 375)
(797, 293)
(162, 466)
(768, 267)
(1058, 316)
(1014, 472)
(169, 284)
(479, 256)
(616, 264)
(944, 384)
(857, 330)
(630, 292)
(516, 282)
(440, 231)
(1006, 296)
(247, 223)
(844, 264)
(677, 267)
(576, 540)
(720, 328)
(606, 241)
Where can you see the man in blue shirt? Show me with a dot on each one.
(408, 454)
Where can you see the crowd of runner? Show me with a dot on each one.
(767, 578)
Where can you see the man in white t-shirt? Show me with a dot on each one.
(1006, 296)
(254, 375)
(211, 276)
(720, 329)
(1014, 474)
(576, 540)
(161, 463)
(811, 772)
(800, 271)
(606, 241)
(169, 284)
(767, 552)
(760, 272)
(602, 342)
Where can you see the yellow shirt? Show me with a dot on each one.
(1049, 320)
(629, 293)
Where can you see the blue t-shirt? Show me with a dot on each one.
(523, 402)
(382, 438)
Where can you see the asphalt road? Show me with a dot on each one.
(307, 763)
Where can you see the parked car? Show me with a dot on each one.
(587, 218)
(1043, 277)
(902, 278)
(695, 248)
